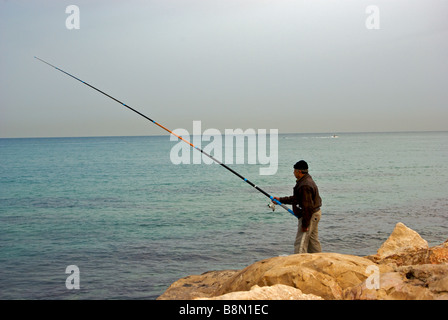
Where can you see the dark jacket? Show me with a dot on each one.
(305, 199)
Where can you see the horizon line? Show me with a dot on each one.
(285, 133)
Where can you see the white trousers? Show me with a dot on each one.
(308, 242)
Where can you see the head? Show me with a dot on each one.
(300, 169)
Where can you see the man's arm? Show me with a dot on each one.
(285, 200)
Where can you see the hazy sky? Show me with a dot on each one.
(295, 66)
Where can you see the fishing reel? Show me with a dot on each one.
(271, 205)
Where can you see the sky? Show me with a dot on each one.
(298, 66)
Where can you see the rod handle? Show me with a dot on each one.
(283, 206)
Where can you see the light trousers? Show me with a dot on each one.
(308, 242)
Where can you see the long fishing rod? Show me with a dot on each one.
(188, 142)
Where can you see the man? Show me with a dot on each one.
(306, 204)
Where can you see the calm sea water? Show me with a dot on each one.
(133, 222)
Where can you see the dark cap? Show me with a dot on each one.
(301, 165)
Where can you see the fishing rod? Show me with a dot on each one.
(273, 201)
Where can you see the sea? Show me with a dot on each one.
(132, 222)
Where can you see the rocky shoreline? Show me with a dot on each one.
(404, 268)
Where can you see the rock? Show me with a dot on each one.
(421, 282)
(196, 286)
(275, 292)
(405, 268)
(393, 286)
(441, 287)
(403, 247)
(322, 274)
(402, 240)
(439, 254)
(325, 275)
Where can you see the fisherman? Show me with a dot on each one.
(305, 200)
(306, 204)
